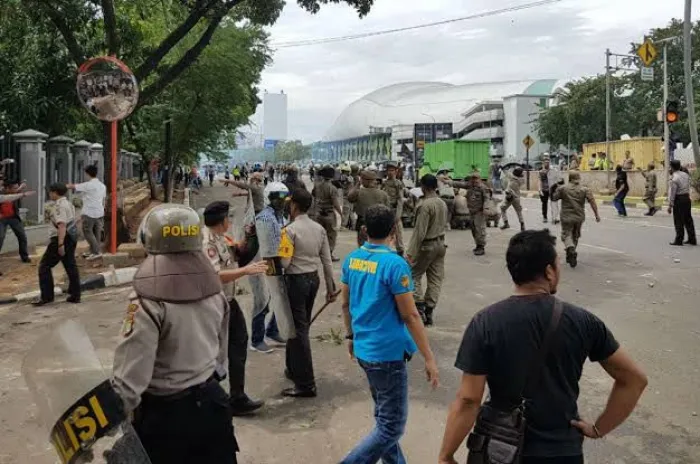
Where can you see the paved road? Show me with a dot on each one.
(627, 275)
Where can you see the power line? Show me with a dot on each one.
(485, 14)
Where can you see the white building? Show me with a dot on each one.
(275, 116)
(422, 112)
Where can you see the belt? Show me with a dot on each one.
(303, 274)
(447, 198)
(149, 398)
(434, 239)
(682, 195)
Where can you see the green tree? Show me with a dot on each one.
(292, 150)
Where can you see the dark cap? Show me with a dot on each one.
(429, 181)
(217, 208)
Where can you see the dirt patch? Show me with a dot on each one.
(19, 277)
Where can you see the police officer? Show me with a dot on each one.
(573, 198)
(650, 189)
(346, 183)
(426, 250)
(174, 346)
(364, 197)
(327, 204)
(310, 245)
(293, 181)
(218, 249)
(515, 180)
(395, 190)
(477, 195)
(255, 186)
(63, 239)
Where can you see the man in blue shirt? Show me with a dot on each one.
(382, 322)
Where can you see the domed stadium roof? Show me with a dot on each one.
(425, 102)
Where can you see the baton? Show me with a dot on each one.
(322, 308)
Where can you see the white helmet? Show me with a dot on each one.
(275, 187)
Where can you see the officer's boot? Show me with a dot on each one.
(522, 227)
(421, 310)
(428, 316)
(505, 225)
(571, 256)
(479, 250)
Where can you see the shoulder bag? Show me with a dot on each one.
(498, 436)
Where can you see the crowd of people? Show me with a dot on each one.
(529, 348)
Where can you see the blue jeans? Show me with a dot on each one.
(388, 383)
(619, 203)
(258, 327)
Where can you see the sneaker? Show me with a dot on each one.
(479, 251)
(86, 254)
(94, 257)
(277, 339)
(261, 347)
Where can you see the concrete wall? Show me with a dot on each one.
(598, 181)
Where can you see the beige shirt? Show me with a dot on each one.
(573, 198)
(431, 221)
(219, 255)
(310, 244)
(169, 347)
(680, 185)
(60, 211)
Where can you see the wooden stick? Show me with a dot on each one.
(322, 308)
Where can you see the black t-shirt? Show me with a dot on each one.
(621, 181)
(502, 341)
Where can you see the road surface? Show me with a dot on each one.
(646, 291)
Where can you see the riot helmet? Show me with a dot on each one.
(171, 228)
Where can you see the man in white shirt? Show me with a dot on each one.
(93, 195)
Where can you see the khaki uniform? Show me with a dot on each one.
(573, 198)
(326, 198)
(650, 189)
(257, 191)
(58, 212)
(394, 188)
(476, 200)
(427, 248)
(302, 282)
(363, 198)
(217, 250)
(512, 198)
(347, 182)
(150, 357)
(447, 193)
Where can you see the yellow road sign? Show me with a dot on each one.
(647, 52)
(528, 142)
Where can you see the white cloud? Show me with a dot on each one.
(563, 40)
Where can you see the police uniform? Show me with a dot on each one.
(477, 194)
(448, 196)
(650, 189)
(573, 198)
(58, 212)
(174, 346)
(346, 182)
(363, 198)
(217, 248)
(395, 190)
(427, 250)
(513, 199)
(326, 204)
(309, 243)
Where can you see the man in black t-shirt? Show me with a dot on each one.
(501, 342)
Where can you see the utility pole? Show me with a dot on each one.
(687, 72)
(608, 111)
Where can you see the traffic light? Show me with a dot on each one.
(672, 112)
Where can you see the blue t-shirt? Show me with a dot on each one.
(375, 274)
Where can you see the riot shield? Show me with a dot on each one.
(258, 286)
(270, 235)
(82, 414)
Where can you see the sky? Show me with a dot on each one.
(565, 40)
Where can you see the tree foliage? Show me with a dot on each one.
(292, 150)
(579, 112)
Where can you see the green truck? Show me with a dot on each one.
(461, 156)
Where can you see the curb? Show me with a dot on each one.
(111, 278)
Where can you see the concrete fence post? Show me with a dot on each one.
(32, 161)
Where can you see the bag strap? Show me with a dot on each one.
(537, 366)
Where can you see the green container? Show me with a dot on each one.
(462, 155)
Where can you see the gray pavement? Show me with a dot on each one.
(627, 275)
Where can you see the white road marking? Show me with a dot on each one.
(603, 248)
